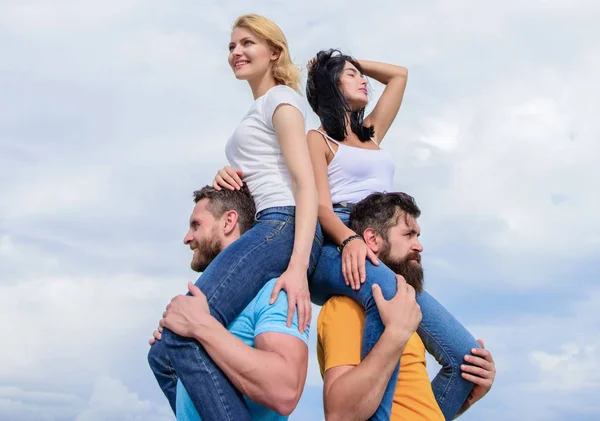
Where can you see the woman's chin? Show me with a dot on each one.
(358, 104)
(241, 74)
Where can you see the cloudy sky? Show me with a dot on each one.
(113, 112)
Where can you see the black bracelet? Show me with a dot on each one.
(346, 241)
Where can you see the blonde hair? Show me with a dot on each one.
(285, 72)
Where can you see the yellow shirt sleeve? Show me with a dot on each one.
(339, 333)
(339, 339)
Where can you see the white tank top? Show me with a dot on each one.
(354, 173)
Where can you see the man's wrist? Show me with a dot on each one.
(395, 335)
(205, 326)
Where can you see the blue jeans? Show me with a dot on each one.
(448, 342)
(230, 282)
(444, 337)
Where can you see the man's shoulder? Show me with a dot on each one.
(340, 302)
(339, 333)
(340, 308)
(259, 304)
(272, 318)
(263, 298)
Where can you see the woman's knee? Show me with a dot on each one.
(157, 356)
(457, 353)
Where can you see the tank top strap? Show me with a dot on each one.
(373, 140)
(327, 140)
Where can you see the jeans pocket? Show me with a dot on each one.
(273, 228)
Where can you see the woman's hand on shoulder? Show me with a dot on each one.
(228, 178)
(294, 282)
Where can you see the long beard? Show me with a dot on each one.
(407, 267)
(208, 250)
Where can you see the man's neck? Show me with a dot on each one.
(230, 239)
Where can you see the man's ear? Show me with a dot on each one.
(230, 221)
(372, 239)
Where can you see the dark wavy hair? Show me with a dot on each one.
(224, 200)
(326, 98)
(380, 211)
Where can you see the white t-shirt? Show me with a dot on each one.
(254, 148)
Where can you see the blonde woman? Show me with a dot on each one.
(270, 151)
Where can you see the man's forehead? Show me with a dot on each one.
(406, 221)
(200, 210)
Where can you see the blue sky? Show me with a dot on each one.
(113, 112)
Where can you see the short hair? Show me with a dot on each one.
(327, 100)
(381, 211)
(285, 72)
(224, 200)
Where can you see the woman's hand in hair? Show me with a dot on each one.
(354, 259)
(388, 104)
(311, 63)
(228, 178)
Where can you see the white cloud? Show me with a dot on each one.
(510, 170)
(442, 135)
(35, 15)
(549, 359)
(58, 194)
(113, 112)
(522, 159)
(70, 328)
(16, 403)
(573, 369)
(111, 400)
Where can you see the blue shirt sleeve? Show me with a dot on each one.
(273, 317)
(185, 409)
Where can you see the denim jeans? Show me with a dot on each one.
(230, 282)
(448, 342)
(444, 337)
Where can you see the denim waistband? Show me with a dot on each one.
(285, 210)
(342, 212)
(344, 205)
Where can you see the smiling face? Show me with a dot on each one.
(250, 57)
(203, 236)
(353, 86)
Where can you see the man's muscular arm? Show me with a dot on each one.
(355, 392)
(272, 374)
